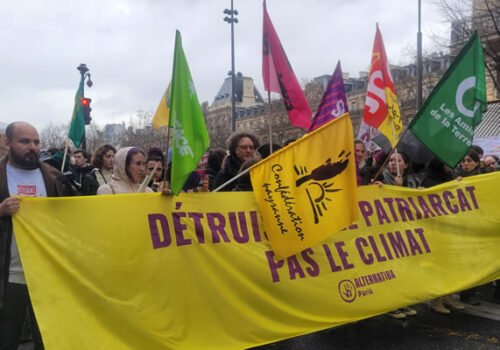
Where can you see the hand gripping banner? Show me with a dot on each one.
(146, 271)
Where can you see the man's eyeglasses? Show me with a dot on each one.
(246, 147)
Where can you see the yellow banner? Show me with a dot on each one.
(307, 191)
(146, 271)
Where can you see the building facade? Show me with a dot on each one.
(485, 18)
(252, 113)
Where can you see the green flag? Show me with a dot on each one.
(447, 119)
(190, 136)
(77, 127)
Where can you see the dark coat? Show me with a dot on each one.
(56, 185)
(212, 175)
(433, 178)
(459, 172)
(368, 172)
(231, 168)
(89, 184)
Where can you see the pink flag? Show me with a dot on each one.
(279, 77)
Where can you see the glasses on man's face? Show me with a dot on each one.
(246, 147)
(491, 165)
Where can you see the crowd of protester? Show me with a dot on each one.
(126, 170)
(399, 172)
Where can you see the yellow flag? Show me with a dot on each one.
(308, 191)
(162, 114)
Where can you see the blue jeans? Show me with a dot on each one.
(16, 302)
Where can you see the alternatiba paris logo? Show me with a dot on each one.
(362, 286)
(347, 291)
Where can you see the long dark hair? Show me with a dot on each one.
(215, 158)
(99, 154)
(474, 155)
(407, 160)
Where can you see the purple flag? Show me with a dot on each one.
(334, 101)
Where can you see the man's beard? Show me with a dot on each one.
(27, 161)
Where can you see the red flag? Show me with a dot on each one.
(279, 77)
(381, 106)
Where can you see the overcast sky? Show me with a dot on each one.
(128, 46)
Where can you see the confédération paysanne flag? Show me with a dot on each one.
(162, 114)
(381, 106)
(77, 126)
(334, 101)
(279, 77)
(190, 135)
(307, 191)
(446, 121)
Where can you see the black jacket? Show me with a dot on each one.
(231, 168)
(434, 178)
(56, 185)
(460, 172)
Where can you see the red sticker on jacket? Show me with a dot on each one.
(24, 190)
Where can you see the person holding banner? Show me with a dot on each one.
(469, 166)
(402, 177)
(437, 173)
(129, 171)
(21, 174)
(155, 164)
(398, 173)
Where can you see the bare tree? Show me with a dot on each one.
(141, 133)
(54, 135)
(467, 16)
(94, 137)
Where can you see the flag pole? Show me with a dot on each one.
(147, 179)
(166, 157)
(419, 59)
(64, 157)
(244, 172)
(169, 94)
(270, 123)
(388, 156)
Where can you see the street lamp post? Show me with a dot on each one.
(419, 60)
(232, 19)
(84, 72)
